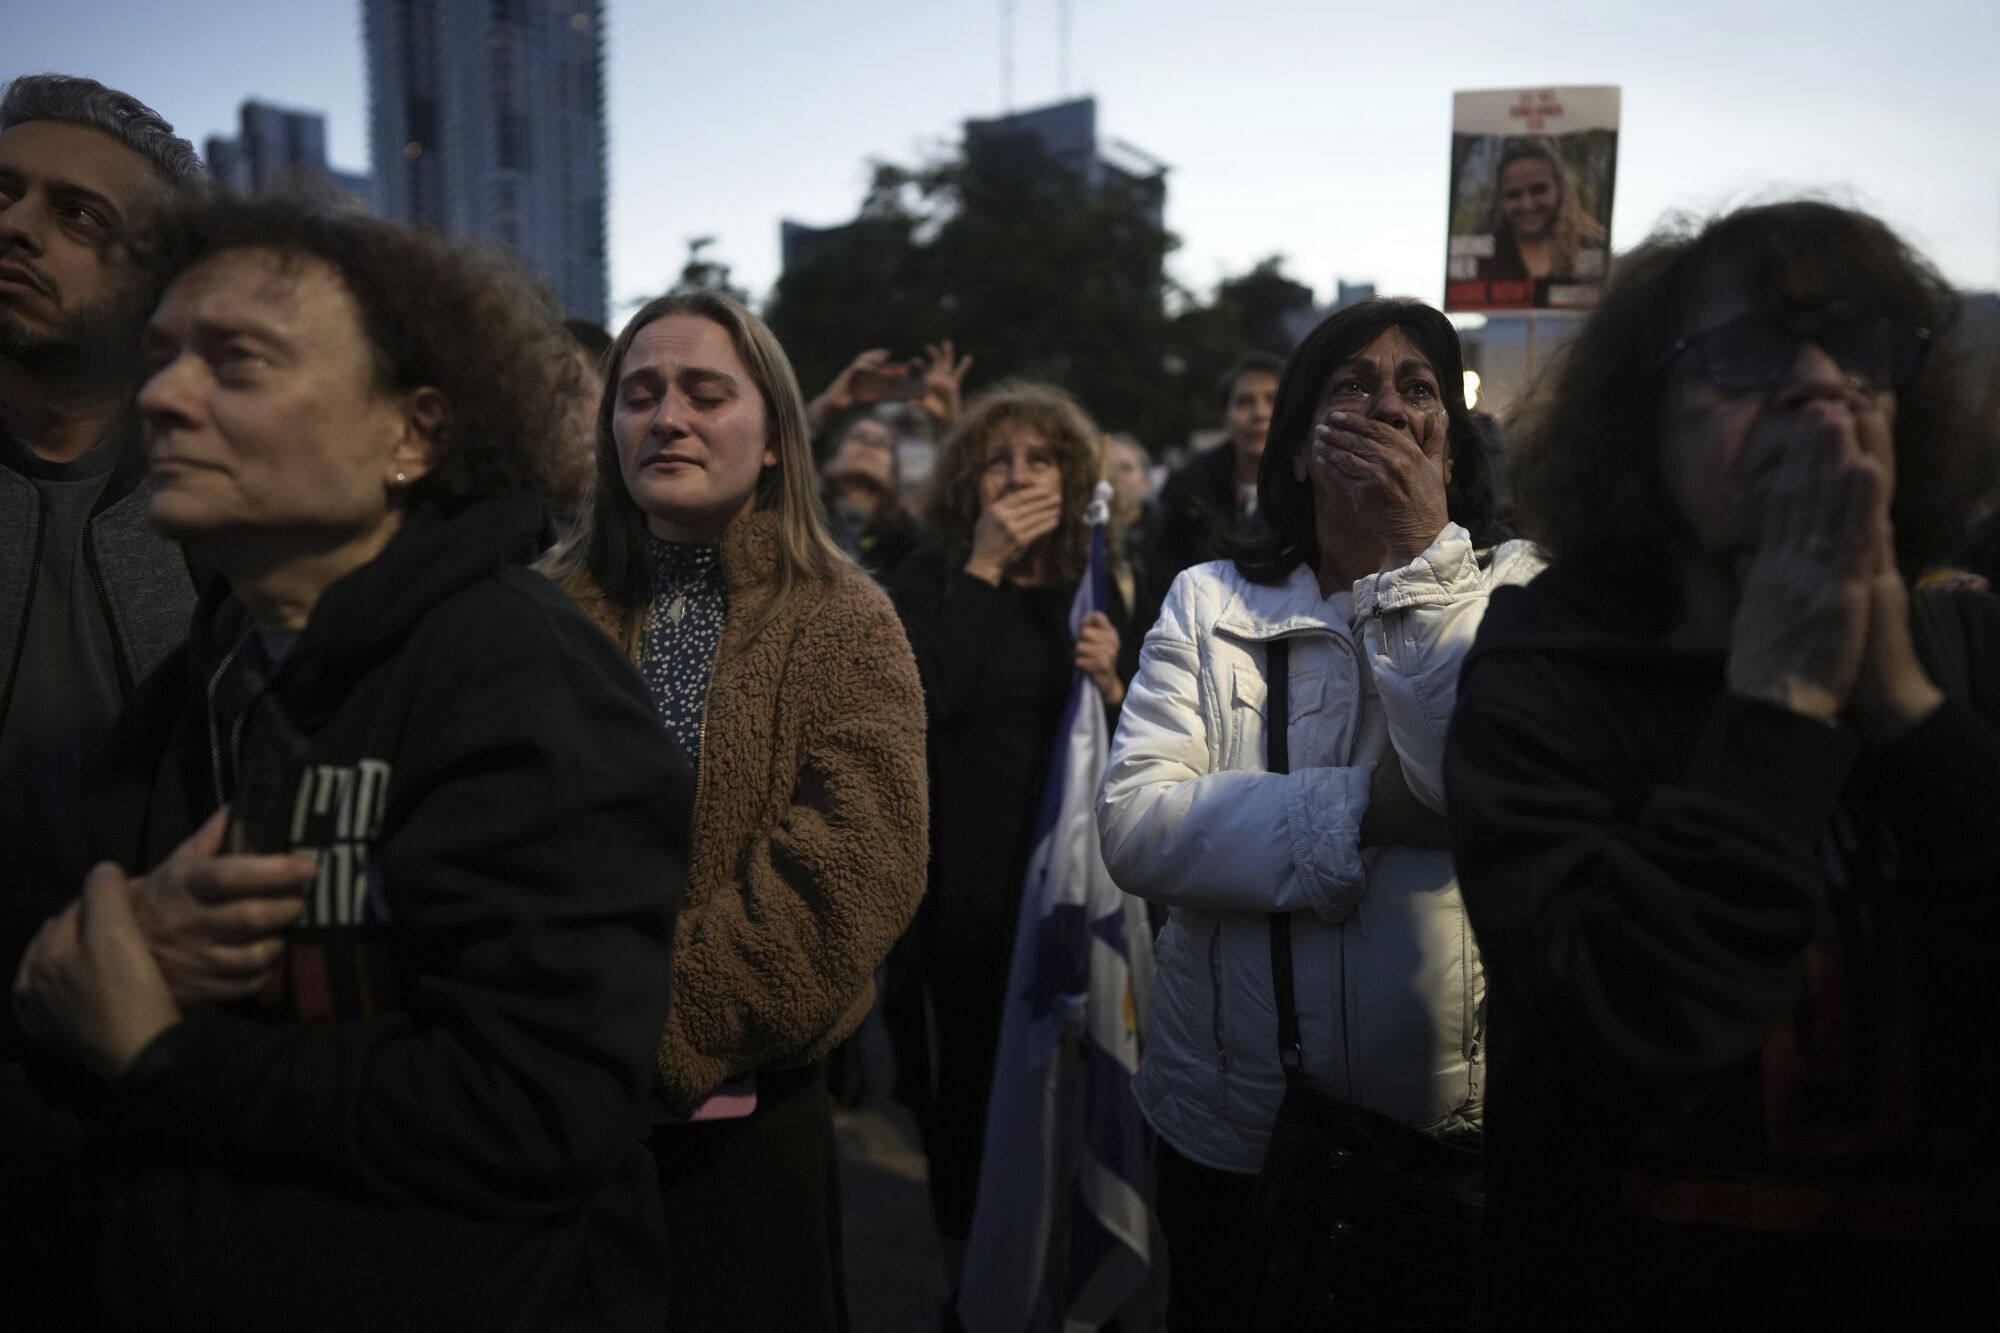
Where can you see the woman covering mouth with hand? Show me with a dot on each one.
(1724, 797)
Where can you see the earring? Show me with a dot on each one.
(401, 479)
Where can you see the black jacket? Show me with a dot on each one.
(146, 590)
(1197, 515)
(434, 1125)
(1739, 1024)
(880, 543)
(997, 664)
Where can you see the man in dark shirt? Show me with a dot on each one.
(90, 596)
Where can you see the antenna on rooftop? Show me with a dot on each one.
(1062, 49)
(1006, 55)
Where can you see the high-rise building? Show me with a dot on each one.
(486, 119)
(279, 148)
(1059, 142)
(1065, 134)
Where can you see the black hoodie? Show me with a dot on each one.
(432, 1122)
(1739, 1029)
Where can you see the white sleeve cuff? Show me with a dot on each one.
(1323, 810)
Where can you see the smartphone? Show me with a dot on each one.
(895, 381)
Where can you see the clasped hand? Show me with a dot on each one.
(1822, 623)
(1097, 656)
(129, 957)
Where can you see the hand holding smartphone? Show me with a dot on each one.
(894, 381)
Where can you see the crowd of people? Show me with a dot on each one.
(463, 775)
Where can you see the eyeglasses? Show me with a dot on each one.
(1755, 353)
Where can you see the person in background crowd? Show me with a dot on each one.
(783, 672)
(324, 1110)
(576, 452)
(1133, 516)
(90, 596)
(1377, 505)
(868, 379)
(1727, 803)
(1213, 499)
(1129, 538)
(987, 609)
(862, 484)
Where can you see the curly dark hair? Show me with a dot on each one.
(1585, 441)
(467, 321)
(953, 506)
(1286, 503)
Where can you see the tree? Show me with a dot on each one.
(701, 274)
(1036, 272)
(1014, 256)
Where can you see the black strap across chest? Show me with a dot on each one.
(1278, 759)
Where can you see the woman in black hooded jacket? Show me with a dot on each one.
(407, 1096)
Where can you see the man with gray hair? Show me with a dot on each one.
(90, 596)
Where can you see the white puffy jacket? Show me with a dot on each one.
(1390, 991)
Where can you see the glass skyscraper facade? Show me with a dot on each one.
(486, 119)
(279, 148)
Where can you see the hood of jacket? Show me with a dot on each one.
(362, 618)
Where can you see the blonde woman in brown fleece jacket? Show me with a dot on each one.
(784, 673)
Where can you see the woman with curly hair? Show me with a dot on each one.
(780, 667)
(1540, 230)
(379, 1012)
(987, 609)
(1726, 801)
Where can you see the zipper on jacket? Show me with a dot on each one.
(27, 607)
(118, 657)
(700, 774)
(236, 732)
(1361, 668)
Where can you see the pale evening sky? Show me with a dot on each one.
(1316, 130)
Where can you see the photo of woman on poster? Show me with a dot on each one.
(1540, 230)
(1532, 176)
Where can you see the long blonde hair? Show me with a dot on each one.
(605, 554)
(1572, 230)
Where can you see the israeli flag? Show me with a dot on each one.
(1062, 1229)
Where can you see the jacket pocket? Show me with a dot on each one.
(1249, 697)
(1245, 723)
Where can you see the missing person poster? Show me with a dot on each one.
(1531, 177)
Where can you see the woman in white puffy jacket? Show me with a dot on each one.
(1378, 501)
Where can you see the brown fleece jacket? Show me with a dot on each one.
(811, 822)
